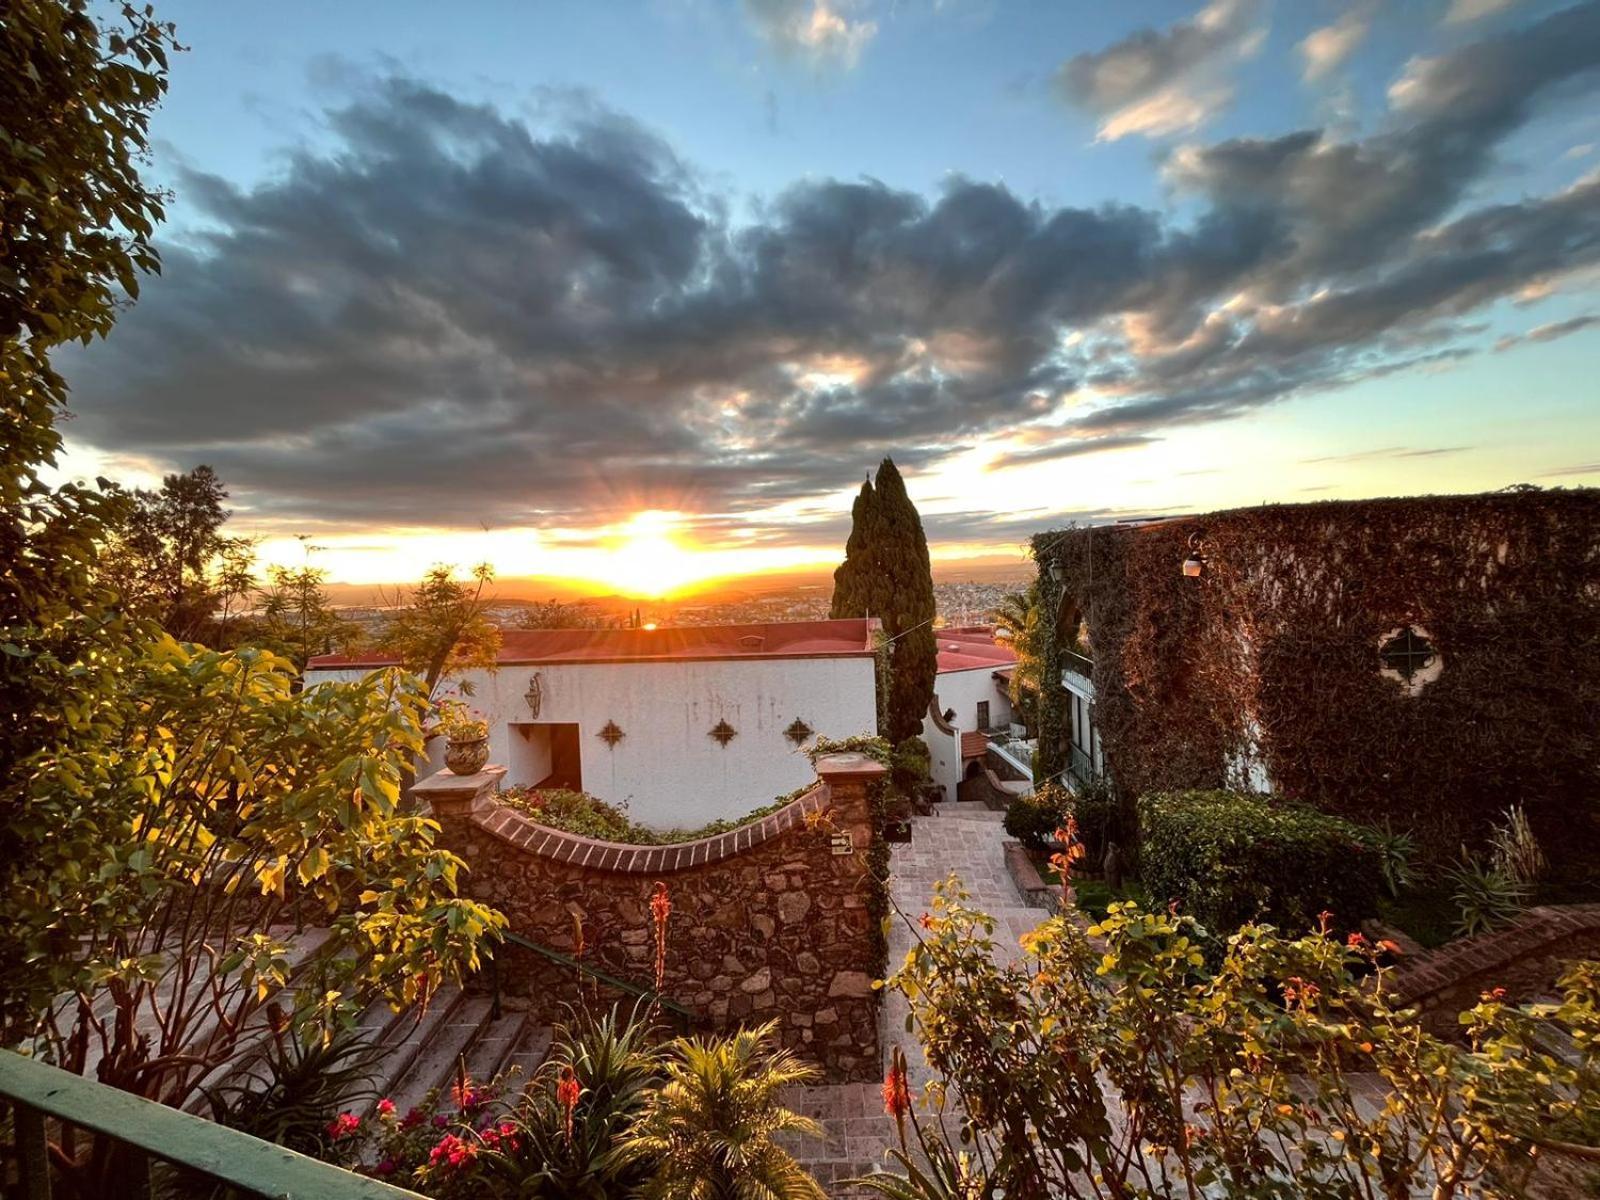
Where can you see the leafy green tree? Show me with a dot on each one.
(887, 574)
(712, 1129)
(76, 93)
(162, 807)
(1017, 619)
(442, 628)
(205, 807)
(555, 614)
(169, 555)
(296, 617)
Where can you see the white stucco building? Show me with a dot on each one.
(680, 725)
(970, 699)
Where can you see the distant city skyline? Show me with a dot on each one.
(634, 295)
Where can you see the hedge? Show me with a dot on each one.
(1034, 817)
(1229, 859)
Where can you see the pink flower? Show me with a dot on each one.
(386, 1107)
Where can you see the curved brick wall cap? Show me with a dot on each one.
(511, 826)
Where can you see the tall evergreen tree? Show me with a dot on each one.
(850, 578)
(887, 574)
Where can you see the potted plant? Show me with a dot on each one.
(466, 736)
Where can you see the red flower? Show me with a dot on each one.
(926, 920)
(343, 1126)
(386, 1107)
(660, 910)
(1324, 919)
(412, 1119)
(1356, 940)
(453, 1152)
(567, 1093)
(897, 1093)
(1392, 947)
(1494, 994)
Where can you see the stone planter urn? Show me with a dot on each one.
(466, 757)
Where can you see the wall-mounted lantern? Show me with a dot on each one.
(535, 693)
(1194, 566)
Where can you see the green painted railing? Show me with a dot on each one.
(37, 1091)
(687, 1016)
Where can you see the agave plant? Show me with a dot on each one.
(1485, 896)
(295, 1088)
(580, 1105)
(711, 1131)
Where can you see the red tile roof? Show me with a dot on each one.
(974, 745)
(787, 639)
(970, 647)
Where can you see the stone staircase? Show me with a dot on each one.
(423, 1048)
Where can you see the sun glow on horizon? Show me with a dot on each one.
(650, 558)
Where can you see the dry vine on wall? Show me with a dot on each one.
(1276, 646)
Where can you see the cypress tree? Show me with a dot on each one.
(887, 574)
(850, 577)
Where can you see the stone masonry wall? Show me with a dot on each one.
(767, 922)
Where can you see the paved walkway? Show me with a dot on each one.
(961, 838)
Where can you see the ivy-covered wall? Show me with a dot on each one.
(1271, 656)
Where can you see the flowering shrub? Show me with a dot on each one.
(1111, 1062)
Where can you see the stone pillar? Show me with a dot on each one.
(452, 795)
(848, 777)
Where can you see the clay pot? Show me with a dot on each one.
(466, 758)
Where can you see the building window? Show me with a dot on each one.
(983, 714)
(1408, 656)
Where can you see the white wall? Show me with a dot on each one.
(667, 769)
(962, 691)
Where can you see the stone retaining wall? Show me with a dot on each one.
(1526, 958)
(768, 921)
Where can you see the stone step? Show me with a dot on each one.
(531, 1049)
(439, 1062)
(405, 1035)
(491, 1053)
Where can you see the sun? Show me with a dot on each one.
(649, 559)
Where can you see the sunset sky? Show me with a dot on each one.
(621, 292)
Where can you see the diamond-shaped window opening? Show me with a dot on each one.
(611, 734)
(798, 732)
(1410, 658)
(1407, 653)
(723, 732)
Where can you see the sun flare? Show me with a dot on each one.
(649, 558)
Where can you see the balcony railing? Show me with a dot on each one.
(37, 1092)
(1081, 766)
(1078, 664)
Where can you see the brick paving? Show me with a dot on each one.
(959, 838)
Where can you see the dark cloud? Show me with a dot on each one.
(1159, 81)
(455, 318)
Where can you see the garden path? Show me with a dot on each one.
(962, 838)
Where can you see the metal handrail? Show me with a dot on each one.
(36, 1091)
(682, 1012)
(1083, 664)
